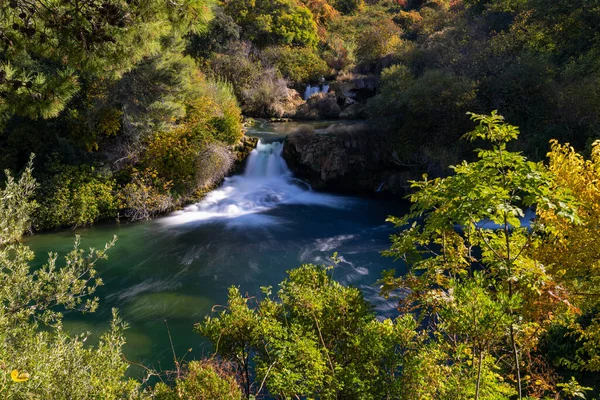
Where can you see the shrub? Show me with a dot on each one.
(348, 6)
(16, 210)
(221, 31)
(172, 155)
(340, 53)
(269, 22)
(204, 380)
(320, 105)
(142, 199)
(300, 343)
(425, 116)
(37, 358)
(225, 120)
(213, 164)
(76, 196)
(175, 155)
(263, 96)
(297, 64)
(377, 42)
(237, 68)
(322, 11)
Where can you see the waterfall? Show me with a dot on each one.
(310, 90)
(266, 183)
(266, 161)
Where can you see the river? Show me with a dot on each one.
(247, 233)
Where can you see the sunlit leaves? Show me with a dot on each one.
(471, 251)
(46, 362)
(315, 338)
(573, 253)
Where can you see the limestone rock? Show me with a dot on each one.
(319, 106)
(349, 159)
(354, 111)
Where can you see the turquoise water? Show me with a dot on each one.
(175, 269)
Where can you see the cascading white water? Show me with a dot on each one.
(266, 183)
(311, 90)
(266, 162)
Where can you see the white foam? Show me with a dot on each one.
(266, 183)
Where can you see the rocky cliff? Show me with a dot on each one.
(348, 159)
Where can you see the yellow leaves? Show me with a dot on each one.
(19, 376)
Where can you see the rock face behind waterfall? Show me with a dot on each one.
(349, 159)
(319, 106)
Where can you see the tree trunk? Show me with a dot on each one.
(478, 375)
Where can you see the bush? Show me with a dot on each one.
(172, 155)
(340, 53)
(297, 64)
(76, 196)
(262, 97)
(273, 22)
(236, 67)
(16, 210)
(213, 164)
(377, 42)
(175, 155)
(348, 6)
(314, 338)
(225, 119)
(318, 106)
(425, 116)
(204, 380)
(37, 358)
(142, 199)
(221, 32)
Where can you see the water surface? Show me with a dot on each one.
(246, 233)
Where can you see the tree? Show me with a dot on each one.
(573, 255)
(273, 22)
(296, 64)
(496, 246)
(348, 6)
(377, 42)
(39, 359)
(314, 338)
(217, 38)
(51, 47)
(431, 104)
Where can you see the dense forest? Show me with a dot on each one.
(129, 109)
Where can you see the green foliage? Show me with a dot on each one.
(176, 154)
(573, 389)
(272, 22)
(172, 155)
(203, 380)
(37, 358)
(314, 338)
(144, 197)
(238, 68)
(262, 97)
(296, 64)
(348, 6)
(108, 77)
(76, 196)
(49, 45)
(408, 107)
(16, 209)
(493, 259)
(436, 92)
(220, 34)
(377, 42)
